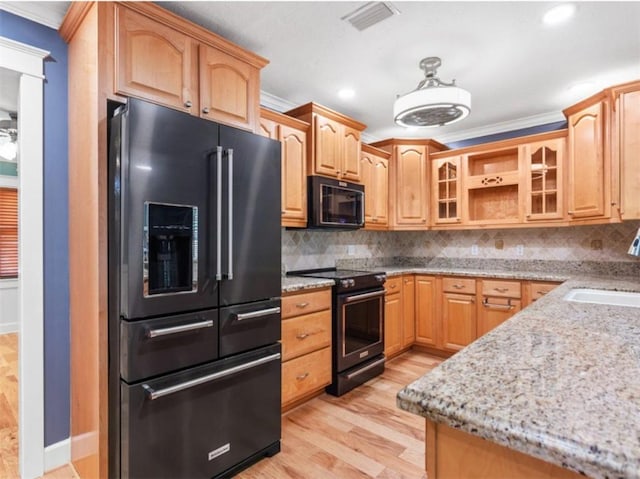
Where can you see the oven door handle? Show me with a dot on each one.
(358, 297)
(158, 393)
(366, 368)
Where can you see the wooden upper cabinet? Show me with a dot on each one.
(589, 190)
(351, 154)
(412, 186)
(334, 147)
(446, 190)
(229, 89)
(328, 146)
(409, 181)
(374, 171)
(626, 146)
(544, 163)
(155, 62)
(292, 134)
(165, 59)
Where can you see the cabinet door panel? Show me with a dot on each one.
(408, 311)
(381, 191)
(544, 187)
(425, 310)
(154, 62)
(268, 128)
(351, 155)
(392, 324)
(328, 141)
(587, 179)
(458, 321)
(229, 89)
(411, 197)
(367, 176)
(294, 175)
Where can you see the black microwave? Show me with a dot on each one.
(335, 204)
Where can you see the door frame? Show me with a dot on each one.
(28, 61)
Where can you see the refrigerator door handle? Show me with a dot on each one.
(229, 274)
(219, 215)
(153, 394)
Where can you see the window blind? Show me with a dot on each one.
(8, 233)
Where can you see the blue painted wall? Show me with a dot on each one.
(56, 218)
(558, 125)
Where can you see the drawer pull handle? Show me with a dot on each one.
(501, 290)
(155, 333)
(154, 394)
(302, 336)
(542, 292)
(302, 305)
(392, 286)
(257, 314)
(302, 377)
(489, 305)
(458, 286)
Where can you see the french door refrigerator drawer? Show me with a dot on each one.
(249, 326)
(162, 345)
(202, 422)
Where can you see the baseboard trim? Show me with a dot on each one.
(7, 328)
(57, 455)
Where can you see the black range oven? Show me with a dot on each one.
(358, 326)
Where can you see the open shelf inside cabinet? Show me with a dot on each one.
(493, 162)
(497, 204)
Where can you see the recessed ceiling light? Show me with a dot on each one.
(559, 14)
(346, 93)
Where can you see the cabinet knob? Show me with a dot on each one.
(284, 212)
(570, 212)
(205, 110)
(187, 104)
(424, 221)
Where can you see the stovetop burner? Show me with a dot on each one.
(345, 279)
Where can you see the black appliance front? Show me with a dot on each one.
(169, 163)
(251, 244)
(202, 423)
(335, 204)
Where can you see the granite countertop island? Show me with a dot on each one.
(559, 381)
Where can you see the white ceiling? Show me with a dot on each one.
(517, 69)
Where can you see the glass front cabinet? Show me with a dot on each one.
(544, 180)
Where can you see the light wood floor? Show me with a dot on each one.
(8, 405)
(359, 435)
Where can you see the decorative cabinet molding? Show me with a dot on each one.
(334, 146)
(292, 134)
(374, 168)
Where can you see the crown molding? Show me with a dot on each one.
(275, 103)
(44, 13)
(502, 127)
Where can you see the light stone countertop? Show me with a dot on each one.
(478, 273)
(291, 284)
(560, 381)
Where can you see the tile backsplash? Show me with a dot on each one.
(303, 249)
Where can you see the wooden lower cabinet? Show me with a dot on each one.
(451, 453)
(393, 316)
(533, 290)
(425, 310)
(500, 301)
(458, 321)
(306, 345)
(408, 311)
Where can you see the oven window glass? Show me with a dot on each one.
(341, 205)
(170, 249)
(361, 324)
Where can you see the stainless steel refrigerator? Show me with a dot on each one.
(194, 295)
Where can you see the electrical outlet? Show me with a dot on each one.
(474, 249)
(520, 250)
(351, 250)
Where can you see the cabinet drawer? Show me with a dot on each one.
(305, 334)
(459, 285)
(538, 290)
(306, 374)
(393, 285)
(501, 289)
(305, 303)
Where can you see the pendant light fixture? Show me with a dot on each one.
(433, 102)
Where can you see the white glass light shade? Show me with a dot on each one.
(432, 106)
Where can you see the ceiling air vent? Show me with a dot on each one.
(370, 13)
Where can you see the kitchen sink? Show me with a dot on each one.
(603, 296)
